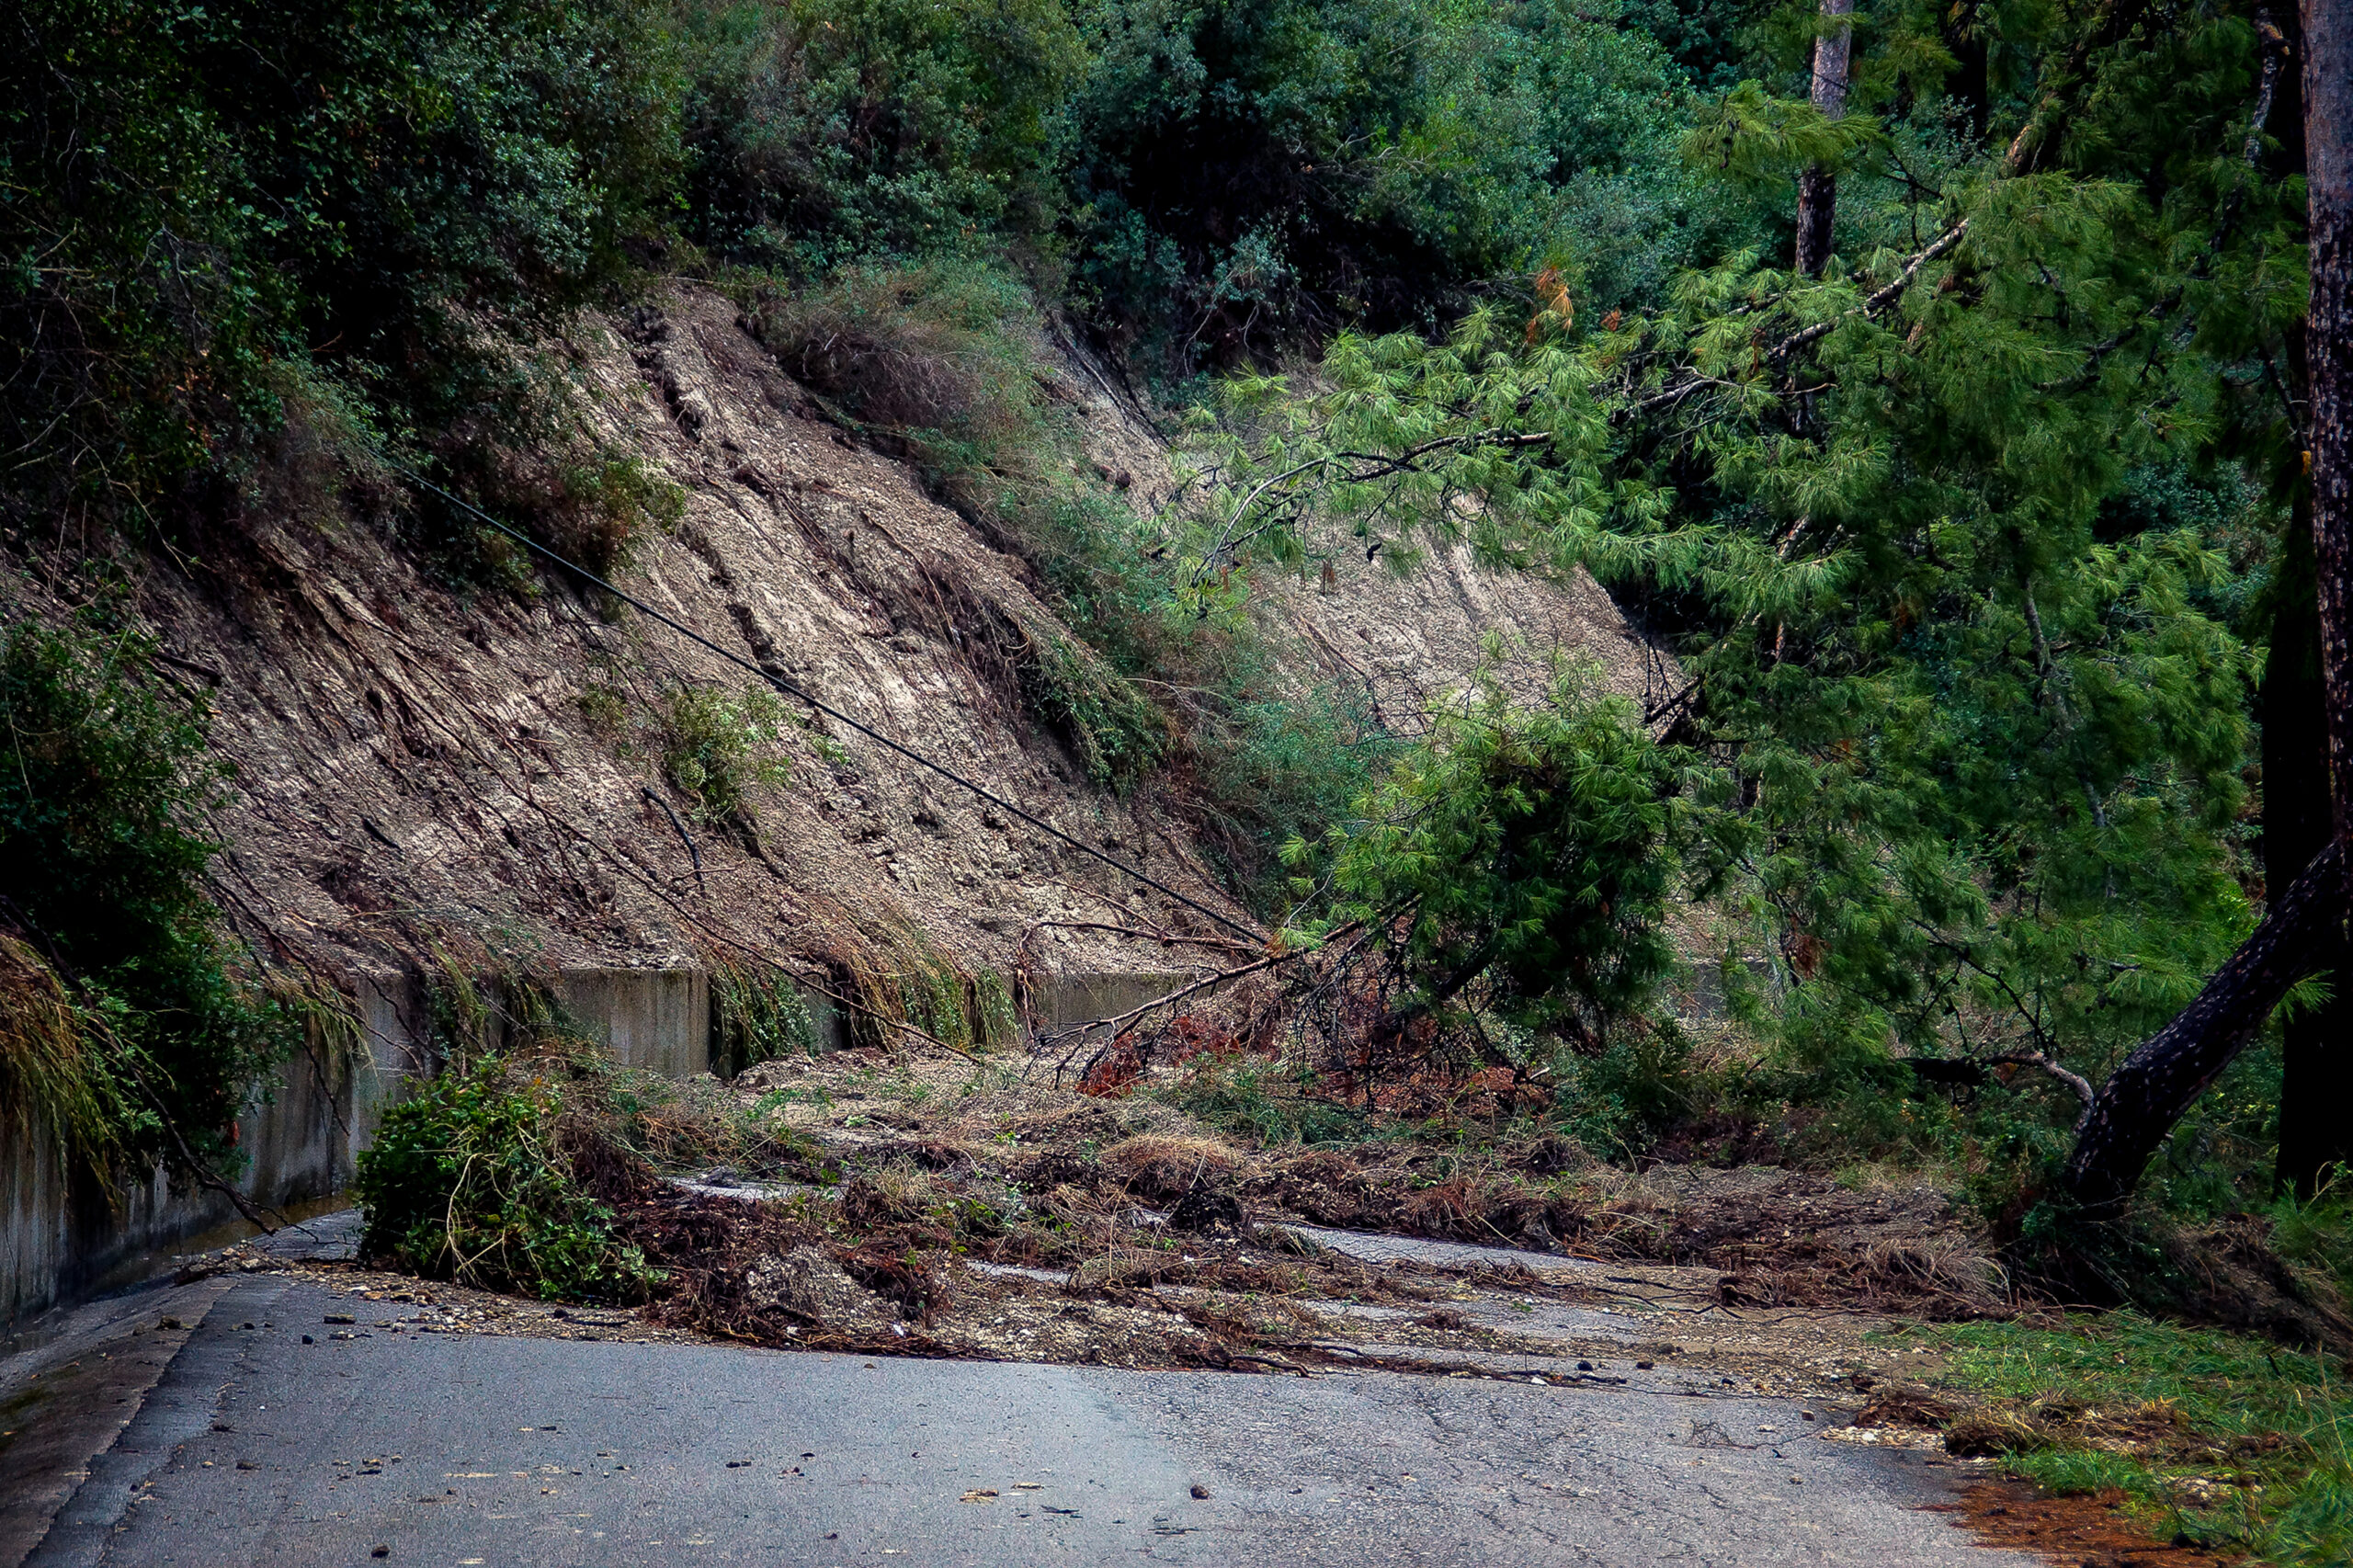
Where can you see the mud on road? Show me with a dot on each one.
(937, 1207)
(940, 1209)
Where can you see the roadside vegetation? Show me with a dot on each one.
(2212, 1439)
(132, 1028)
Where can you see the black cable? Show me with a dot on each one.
(792, 690)
(684, 838)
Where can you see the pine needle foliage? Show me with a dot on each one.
(1972, 727)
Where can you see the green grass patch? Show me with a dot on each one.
(2229, 1441)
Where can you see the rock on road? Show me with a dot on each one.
(254, 1447)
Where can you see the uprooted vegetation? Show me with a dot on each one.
(1182, 1145)
(740, 1208)
(1961, 865)
(940, 1206)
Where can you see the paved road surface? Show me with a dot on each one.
(257, 1448)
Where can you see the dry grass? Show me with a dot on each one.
(53, 1083)
(903, 352)
(1165, 1167)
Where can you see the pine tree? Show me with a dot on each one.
(2305, 928)
(1978, 724)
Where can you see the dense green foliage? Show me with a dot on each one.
(1526, 849)
(361, 215)
(208, 211)
(1219, 181)
(1952, 542)
(470, 1181)
(1962, 545)
(103, 786)
(1247, 175)
(831, 132)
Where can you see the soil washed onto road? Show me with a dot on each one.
(1039, 1327)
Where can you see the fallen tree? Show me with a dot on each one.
(2304, 930)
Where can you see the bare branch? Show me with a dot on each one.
(2076, 1081)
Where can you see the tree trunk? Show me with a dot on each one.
(2316, 1080)
(2305, 928)
(2164, 1076)
(1817, 189)
(2328, 348)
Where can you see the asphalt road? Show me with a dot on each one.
(254, 1447)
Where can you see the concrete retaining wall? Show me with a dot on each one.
(656, 1019)
(1059, 1001)
(65, 1237)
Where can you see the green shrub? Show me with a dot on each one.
(1619, 1101)
(153, 1044)
(1526, 850)
(1266, 1103)
(716, 747)
(601, 506)
(471, 1181)
(388, 196)
(827, 132)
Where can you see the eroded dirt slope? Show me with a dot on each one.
(412, 759)
(1409, 638)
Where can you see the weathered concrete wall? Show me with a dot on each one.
(33, 1233)
(398, 1059)
(658, 1019)
(1060, 1000)
(65, 1237)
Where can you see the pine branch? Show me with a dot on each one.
(1877, 303)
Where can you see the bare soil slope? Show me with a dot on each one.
(415, 762)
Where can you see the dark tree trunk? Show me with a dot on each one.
(2164, 1076)
(1817, 189)
(2328, 351)
(1969, 84)
(2316, 1090)
(2304, 930)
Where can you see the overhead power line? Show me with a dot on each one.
(789, 689)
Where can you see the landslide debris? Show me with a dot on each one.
(862, 1202)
